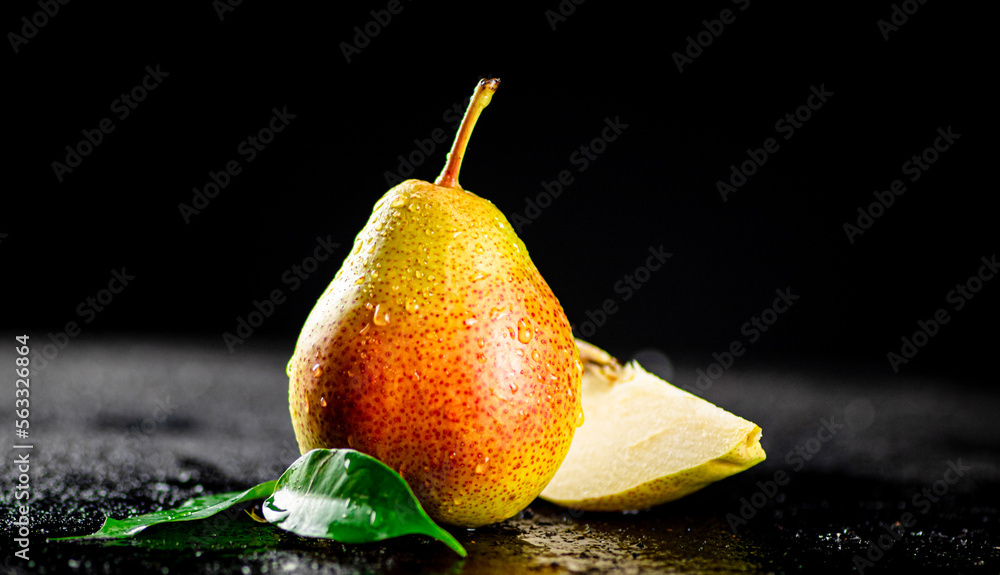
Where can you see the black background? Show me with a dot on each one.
(655, 185)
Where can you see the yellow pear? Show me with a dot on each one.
(645, 442)
(439, 349)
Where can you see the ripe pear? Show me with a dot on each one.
(439, 349)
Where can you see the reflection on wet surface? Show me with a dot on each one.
(543, 539)
(129, 429)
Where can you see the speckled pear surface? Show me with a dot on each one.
(439, 349)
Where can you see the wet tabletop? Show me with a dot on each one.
(865, 473)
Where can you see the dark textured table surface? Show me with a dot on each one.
(865, 472)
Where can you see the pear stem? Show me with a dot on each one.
(480, 99)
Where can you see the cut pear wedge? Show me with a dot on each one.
(645, 442)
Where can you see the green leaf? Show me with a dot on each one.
(345, 495)
(190, 510)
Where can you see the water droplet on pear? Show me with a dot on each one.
(380, 316)
(524, 330)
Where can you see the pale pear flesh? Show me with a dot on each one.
(645, 442)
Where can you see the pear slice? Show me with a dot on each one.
(645, 442)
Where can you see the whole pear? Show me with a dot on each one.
(439, 349)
